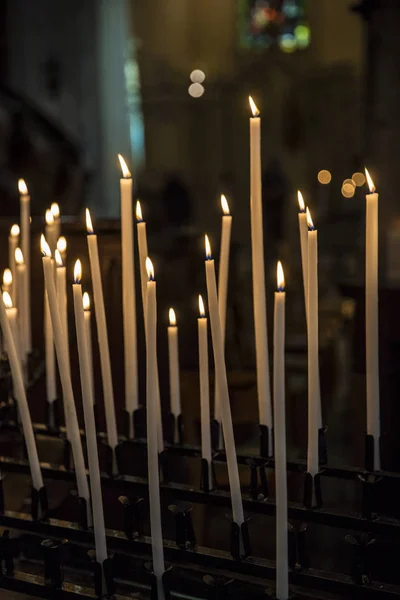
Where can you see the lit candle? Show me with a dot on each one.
(303, 229)
(282, 583)
(12, 246)
(371, 318)
(222, 382)
(128, 295)
(25, 206)
(12, 315)
(314, 399)
(257, 252)
(22, 304)
(61, 287)
(88, 325)
(19, 391)
(55, 211)
(174, 383)
(152, 417)
(51, 230)
(62, 248)
(206, 452)
(7, 280)
(100, 313)
(85, 369)
(51, 376)
(65, 374)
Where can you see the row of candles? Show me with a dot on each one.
(17, 339)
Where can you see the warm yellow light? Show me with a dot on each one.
(45, 248)
(86, 301)
(22, 187)
(348, 190)
(309, 219)
(369, 181)
(89, 225)
(253, 107)
(19, 257)
(172, 317)
(55, 210)
(358, 178)
(201, 307)
(139, 215)
(7, 300)
(78, 271)
(324, 176)
(14, 231)
(62, 244)
(301, 202)
(280, 277)
(125, 171)
(208, 247)
(349, 182)
(7, 277)
(57, 256)
(49, 217)
(225, 205)
(149, 269)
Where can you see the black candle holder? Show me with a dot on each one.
(217, 438)
(312, 491)
(266, 440)
(360, 545)
(39, 503)
(184, 533)
(370, 451)
(218, 587)
(174, 429)
(165, 581)
(240, 539)
(207, 476)
(297, 547)
(258, 479)
(53, 570)
(104, 584)
(368, 501)
(133, 516)
(322, 446)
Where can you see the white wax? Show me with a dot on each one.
(12, 246)
(90, 427)
(282, 582)
(88, 325)
(129, 300)
(206, 452)
(220, 373)
(103, 341)
(314, 399)
(303, 229)
(19, 390)
(259, 297)
(22, 309)
(65, 376)
(61, 283)
(25, 205)
(51, 382)
(371, 324)
(152, 454)
(12, 316)
(173, 359)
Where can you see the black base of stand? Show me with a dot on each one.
(297, 548)
(52, 554)
(370, 451)
(368, 501)
(103, 576)
(165, 582)
(322, 446)
(266, 439)
(312, 491)
(139, 422)
(207, 476)
(133, 516)
(240, 540)
(184, 533)
(360, 544)
(40, 505)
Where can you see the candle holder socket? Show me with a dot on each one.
(184, 533)
(322, 446)
(6, 554)
(360, 547)
(174, 429)
(139, 422)
(240, 539)
(218, 587)
(266, 441)
(368, 499)
(104, 585)
(312, 491)
(299, 558)
(217, 438)
(39, 504)
(207, 476)
(258, 479)
(370, 451)
(133, 516)
(165, 581)
(53, 415)
(53, 570)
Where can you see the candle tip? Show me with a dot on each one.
(253, 107)
(280, 277)
(149, 269)
(201, 307)
(62, 244)
(371, 184)
(7, 277)
(86, 301)
(89, 224)
(301, 202)
(55, 210)
(125, 171)
(49, 217)
(45, 248)
(139, 215)
(225, 205)
(8, 303)
(22, 187)
(19, 257)
(310, 223)
(59, 260)
(172, 317)
(208, 248)
(78, 271)
(14, 231)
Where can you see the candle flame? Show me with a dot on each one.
(310, 223)
(61, 244)
(14, 231)
(78, 271)
(369, 181)
(300, 199)
(49, 217)
(7, 277)
(172, 317)
(280, 277)
(89, 225)
(125, 171)
(8, 303)
(208, 248)
(45, 248)
(225, 205)
(201, 307)
(22, 187)
(253, 107)
(86, 301)
(19, 257)
(149, 269)
(55, 210)
(58, 258)
(139, 215)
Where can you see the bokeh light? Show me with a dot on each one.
(302, 35)
(287, 43)
(349, 182)
(358, 178)
(197, 76)
(348, 190)
(196, 90)
(324, 176)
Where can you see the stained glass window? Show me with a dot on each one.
(263, 23)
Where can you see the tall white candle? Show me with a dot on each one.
(88, 325)
(100, 312)
(220, 374)
(7, 281)
(19, 390)
(62, 248)
(206, 451)
(61, 287)
(152, 416)
(128, 295)
(51, 230)
(22, 302)
(90, 427)
(257, 252)
(282, 582)
(51, 375)
(55, 210)
(65, 374)
(371, 318)
(303, 230)
(173, 359)
(25, 206)
(314, 400)
(12, 246)
(12, 314)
